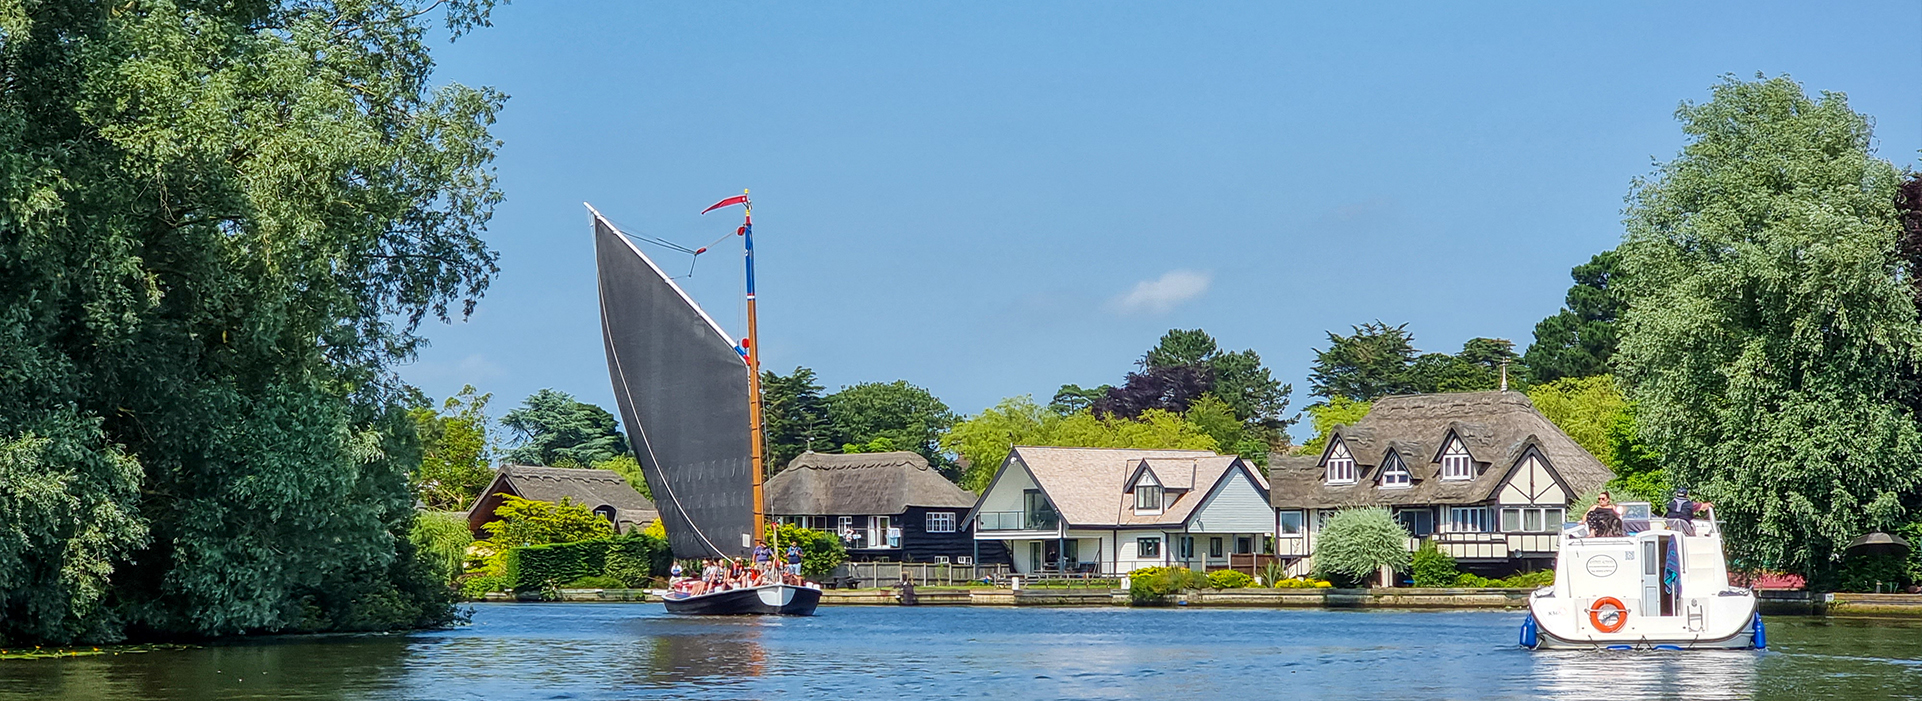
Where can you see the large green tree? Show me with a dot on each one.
(455, 462)
(906, 416)
(1769, 323)
(985, 439)
(795, 417)
(553, 428)
(1372, 362)
(1579, 340)
(220, 226)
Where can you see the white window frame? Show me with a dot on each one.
(1321, 518)
(1467, 519)
(1301, 523)
(940, 522)
(1394, 473)
(1548, 519)
(1457, 464)
(1341, 465)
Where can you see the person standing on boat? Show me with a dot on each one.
(794, 560)
(1684, 508)
(762, 555)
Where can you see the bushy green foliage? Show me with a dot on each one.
(820, 552)
(1356, 543)
(985, 439)
(1229, 579)
(1301, 583)
(542, 567)
(553, 428)
(596, 582)
(1770, 333)
(1579, 340)
(1153, 585)
(908, 416)
(527, 522)
(630, 470)
(454, 460)
(1432, 567)
(224, 223)
(1325, 416)
(478, 587)
(441, 539)
(1525, 580)
(1380, 360)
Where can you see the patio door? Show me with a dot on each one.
(1036, 553)
(878, 531)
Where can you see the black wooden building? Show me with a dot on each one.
(883, 507)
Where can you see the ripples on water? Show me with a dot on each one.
(619, 651)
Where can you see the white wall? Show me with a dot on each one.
(1007, 492)
(1531, 484)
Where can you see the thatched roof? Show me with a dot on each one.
(1497, 428)
(1090, 487)
(822, 484)
(588, 487)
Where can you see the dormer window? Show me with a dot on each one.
(1341, 465)
(1456, 465)
(1148, 493)
(1394, 474)
(1148, 497)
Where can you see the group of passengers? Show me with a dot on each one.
(725, 573)
(1605, 518)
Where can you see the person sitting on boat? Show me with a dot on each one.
(1604, 519)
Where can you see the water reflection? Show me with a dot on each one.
(698, 651)
(1619, 674)
(268, 669)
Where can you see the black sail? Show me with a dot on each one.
(682, 390)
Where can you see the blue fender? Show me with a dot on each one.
(1530, 636)
(1761, 634)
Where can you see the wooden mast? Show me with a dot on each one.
(753, 377)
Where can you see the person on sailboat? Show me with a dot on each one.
(794, 559)
(762, 555)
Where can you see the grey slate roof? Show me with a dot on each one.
(585, 486)
(1497, 428)
(822, 484)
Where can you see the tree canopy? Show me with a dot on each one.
(1579, 340)
(455, 460)
(1770, 325)
(985, 439)
(1379, 360)
(794, 417)
(909, 417)
(553, 428)
(224, 224)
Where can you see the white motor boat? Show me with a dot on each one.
(1662, 585)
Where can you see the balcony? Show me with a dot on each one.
(1016, 521)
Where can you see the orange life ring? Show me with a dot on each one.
(1619, 614)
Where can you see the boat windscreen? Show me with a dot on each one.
(682, 389)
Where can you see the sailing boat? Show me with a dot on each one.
(691, 399)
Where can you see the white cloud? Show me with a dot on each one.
(1165, 293)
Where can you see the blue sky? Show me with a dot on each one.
(993, 199)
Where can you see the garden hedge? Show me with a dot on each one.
(630, 559)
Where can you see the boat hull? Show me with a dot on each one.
(770, 600)
(1750, 637)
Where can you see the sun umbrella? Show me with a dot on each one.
(1878, 543)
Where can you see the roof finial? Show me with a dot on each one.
(1504, 374)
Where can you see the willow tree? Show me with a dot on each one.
(220, 225)
(1769, 325)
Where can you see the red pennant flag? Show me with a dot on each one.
(729, 202)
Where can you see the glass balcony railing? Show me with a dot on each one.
(1016, 521)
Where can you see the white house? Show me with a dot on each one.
(1114, 510)
(1483, 475)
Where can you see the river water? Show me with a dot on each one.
(636, 651)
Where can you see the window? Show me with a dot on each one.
(1244, 545)
(1419, 522)
(1456, 464)
(1321, 518)
(1532, 520)
(1185, 547)
(847, 524)
(1341, 465)
(1288, 523)
(1147, 497)
(1214, 547)
(1393, 473)
(606, 512)
(1146, 547)
(1469, 519)
(940, 522)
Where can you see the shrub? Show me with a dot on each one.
(476, 588)
(1302, 583)
(1432, 567)
(820, 552)
(1229, 579)
(596, 582)
(526, 522)
(441, 540)
(1151, 585)
(1357, 542)
(1273, 573)
(633, 558)
(1525, 580)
